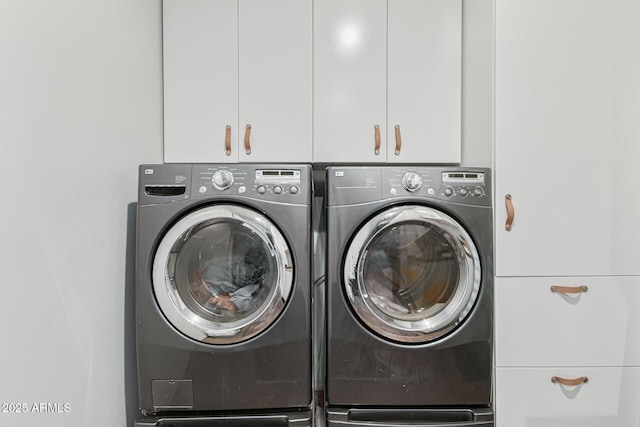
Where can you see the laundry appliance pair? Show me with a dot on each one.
(224, 296)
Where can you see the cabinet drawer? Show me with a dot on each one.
(538, 327)
(526, 397)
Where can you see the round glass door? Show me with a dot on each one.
(412, 274)
(222, 274)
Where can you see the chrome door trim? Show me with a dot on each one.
(411, 329)
(204, 330)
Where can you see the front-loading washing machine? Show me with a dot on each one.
(409, 296)
(223, 299)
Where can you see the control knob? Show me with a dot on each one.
(412, 181)
(222, 179)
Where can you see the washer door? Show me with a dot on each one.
(412, 274)
(222, 274)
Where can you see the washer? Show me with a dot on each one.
(223, 295)
(409, 296)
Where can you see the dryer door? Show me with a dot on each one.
(222, 274)
(412, 274)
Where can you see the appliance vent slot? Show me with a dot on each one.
(165, 190)
(421, 416)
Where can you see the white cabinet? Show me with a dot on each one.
(276, 80)
(567, 132)
(349, 79)
(526, 397)
(238, 80)
(567, 321)
(200, 58)
(387, 78)
(424, 81)
(570, 328)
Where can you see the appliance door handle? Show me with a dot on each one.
(247, 139)
(569, 382)
(376, 131)
(418, 417)
(569, 289)
(398, 140)
(510, 212)
(227, 140)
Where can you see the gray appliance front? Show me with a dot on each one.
(409, 288)
(223, 289)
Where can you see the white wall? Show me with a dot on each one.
(477, 83)
(80, 108)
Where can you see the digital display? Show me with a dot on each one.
(463, 177)
(279, 176)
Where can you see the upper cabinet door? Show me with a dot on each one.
(200, 56)
(350, 80)
(275, 83)
(424, 81)
(567, 132)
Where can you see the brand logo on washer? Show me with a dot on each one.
(148, 171)
(339, 173)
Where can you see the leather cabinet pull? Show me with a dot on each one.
(227, 140)
(510, 212)
(247, 139)
(376, 131)
(569, 382)
(398, 140)
(569, 289)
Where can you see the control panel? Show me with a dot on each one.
(460, 185)
(283, 184)
(278, 181)
(464, 183)
(350, 185)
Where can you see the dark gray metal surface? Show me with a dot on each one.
(267, 372)
(363, 368)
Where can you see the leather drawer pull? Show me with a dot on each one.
(247, 139)
(376, 148)
(227, 140)
(398, 140)
(510, 212)
(569, 383)
(569, 289)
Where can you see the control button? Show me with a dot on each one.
(261, 189)
(277, 189)
(478, 192)
(202, 189)
(393, 191)
(463, 192)
(411, 181)
(448, 191)
(431, 192)
(293, 189)
(242, 189)
(222, 179)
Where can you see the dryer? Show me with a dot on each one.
(223, 295)
(409, 296)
